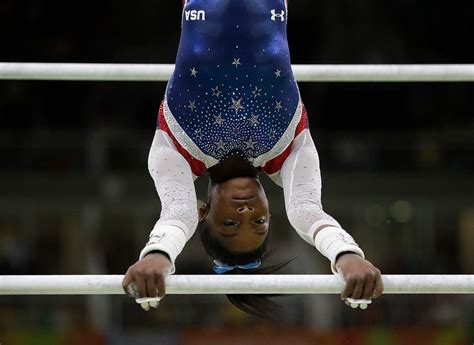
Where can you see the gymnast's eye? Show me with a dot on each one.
(259, 221)
(230, 222)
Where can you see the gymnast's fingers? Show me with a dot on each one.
(140, 282)
(127, 280)
(378, 284)
(358, 289)
(160, 280)
(151, 289)
(369, 287)
(350, 285)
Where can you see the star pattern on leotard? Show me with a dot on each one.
(216, 92)
(236, 105)
(218, 120)
(235, 130)
(278, 105)
(192, 105)
(254, 120)
(194, 72)
(220, 144)
(250, 144)
(236, 62)
(229, 94)
(256, 92)
(198, 134)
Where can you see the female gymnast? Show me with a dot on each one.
(232, 110)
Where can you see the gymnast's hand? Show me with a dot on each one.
(145, 280)
(363, 280)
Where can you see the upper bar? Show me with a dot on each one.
(225, 284)
(303, 73)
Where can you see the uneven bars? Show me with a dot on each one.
(303, 73)
(224, 284)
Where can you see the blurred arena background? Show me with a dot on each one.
(75, 195)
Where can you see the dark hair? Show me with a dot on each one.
(259, 304)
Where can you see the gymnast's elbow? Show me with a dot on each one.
(193, 217)
(184, 212)
(167, 162)
(304, 215)
(304, 210)
(158, 156)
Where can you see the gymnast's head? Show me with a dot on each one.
(234, 227)
(234, 223)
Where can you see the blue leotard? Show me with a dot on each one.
(233, 89)
(233, 92)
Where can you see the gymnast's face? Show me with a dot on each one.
(238, 215)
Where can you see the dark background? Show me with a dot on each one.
(320, 32)
(397, 165)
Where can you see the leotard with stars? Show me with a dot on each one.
(233, 90)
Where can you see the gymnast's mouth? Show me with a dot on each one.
(242, 197)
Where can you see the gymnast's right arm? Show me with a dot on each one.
(178, 219)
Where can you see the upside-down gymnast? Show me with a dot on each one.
(232, 110)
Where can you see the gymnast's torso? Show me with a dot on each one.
(233, 90)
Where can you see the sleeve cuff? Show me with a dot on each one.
(168, 237)
(332, 241)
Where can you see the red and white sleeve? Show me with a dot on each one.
(175, 186)
(301, 180)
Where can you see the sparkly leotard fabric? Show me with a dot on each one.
(233, 89)
(233, 92)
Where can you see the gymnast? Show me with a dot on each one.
(232, 110)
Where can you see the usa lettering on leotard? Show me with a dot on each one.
(195, 15)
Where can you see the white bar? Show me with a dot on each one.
(384, 73)
(303, 73)
(78, 71)
(243, 284)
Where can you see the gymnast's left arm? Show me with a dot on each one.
(174, 183)
(178, 220)
(301, 181)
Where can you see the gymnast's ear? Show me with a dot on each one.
(203, 209)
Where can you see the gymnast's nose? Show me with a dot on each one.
(245, 208)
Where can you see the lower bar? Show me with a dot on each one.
(225, 284)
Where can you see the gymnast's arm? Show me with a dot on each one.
(301, 181)
(178, 219)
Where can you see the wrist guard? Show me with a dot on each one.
(331, 241)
